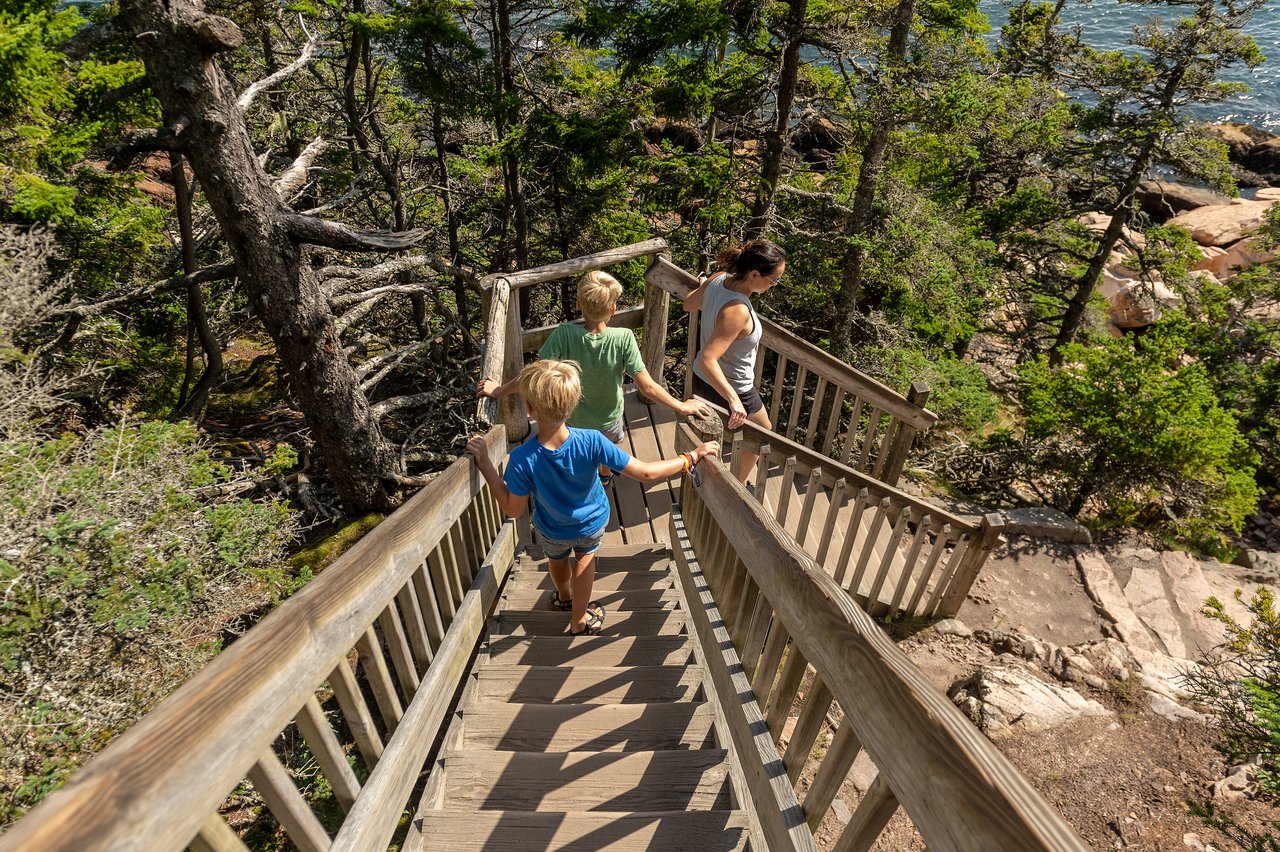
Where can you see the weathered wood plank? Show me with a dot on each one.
(216, 836)
(328, 752)
(589, 684)
(286, 804)
(520, 831)
(589, 727)
(605, 651)
(831, 773)
(873, 814)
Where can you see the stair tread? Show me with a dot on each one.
(496, 831)
(549, 623)
(606, 581)
(590, 650)
(613, 600)
(587, 727)
(587, 781)
(587, 684)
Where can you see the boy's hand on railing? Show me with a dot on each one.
(710, 448)
(486, 387)
(697, 408)
(478, 448)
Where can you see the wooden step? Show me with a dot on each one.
(587, 781)
(537, 600)
(492, 831)
(588, 684)
(587, 727)
(591, 651)
(548, 623)
(606, 581)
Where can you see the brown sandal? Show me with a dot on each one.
(594, 622)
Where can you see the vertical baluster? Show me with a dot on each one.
(784, 694)
(891, 430)
(873, 427)
(732, 589)
(746, 607)
(416, 627)
(788, 477)
(757, 632)
(355, 712)
(922, 582)
(812, 717)
(909, 564)
(767, 671)
(398, 646)
(216, 836)
(286, 804)
(762, 474)
(797, 402)
(455, 562)
(829, 525)
(833, 422)
(869, 546)
(379, 679)
(691, 352)
(834, 768)
(851, 534)
(812, 488)
(875, 810)
(949, 573)
(886, 561)
(982, 542)
(811, 429)
(324, 745)
(760, 356)
(778, 381)
(437, 561)
(851, 435)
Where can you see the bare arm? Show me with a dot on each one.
(732, 322)
(513, 505)
(647, 471)
(693, 300)
(493, 390)
(654, 391)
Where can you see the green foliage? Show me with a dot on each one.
(958, 389)
(1240, 685)
(120, 574)
(1134, 427)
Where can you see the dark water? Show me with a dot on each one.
(1109, 25)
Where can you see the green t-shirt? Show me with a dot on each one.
(603, 357)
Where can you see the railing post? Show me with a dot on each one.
(513, 411)
(657, 304)
(984, 541)
(905, 434)
(493, 360)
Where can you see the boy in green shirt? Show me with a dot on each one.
(603, 355)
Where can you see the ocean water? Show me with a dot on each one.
(1109, 25)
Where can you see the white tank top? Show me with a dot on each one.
(738, 363)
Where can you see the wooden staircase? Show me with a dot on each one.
(601, 742)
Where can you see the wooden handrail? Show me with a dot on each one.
(958, 789)
(160, 781)
(576, 265)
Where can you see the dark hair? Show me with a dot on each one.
(763, 256)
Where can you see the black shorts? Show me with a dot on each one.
(751, 400)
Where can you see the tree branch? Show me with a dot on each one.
(221, 272)
(308, 52)
(151, 139)
(136, 86)
(293, 178)
(307, 229)
(350, 276)
(93, 36)
(397, 402)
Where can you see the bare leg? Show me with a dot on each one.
(562, 576)
(584, 577)
(746, 461)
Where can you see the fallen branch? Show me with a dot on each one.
(377, 292)
(378, 360)
(348, 276)
(306, 229)
(294, 178)
(221, 272)
(396, 403)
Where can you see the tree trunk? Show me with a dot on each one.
(776, 141)
(864, 196)
(193, 406)
(460, 295)
(176, 40)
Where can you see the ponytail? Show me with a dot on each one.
(764, 256)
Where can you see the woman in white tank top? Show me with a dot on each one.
(724, 371)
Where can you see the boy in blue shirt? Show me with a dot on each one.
(560, 466)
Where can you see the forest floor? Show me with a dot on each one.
(1122, 781)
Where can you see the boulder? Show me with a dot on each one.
(1134, 303)
(1002, 701)
(1161, 200)
(1239, 137)
(1243, 254)
(1212, 260)
(1264, 159)
(1222, 224)
(1267, 193)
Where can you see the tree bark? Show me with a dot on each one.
(864, 196)
(193, 406)
(267, 242)
(776, 141)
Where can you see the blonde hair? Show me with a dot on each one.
(552, 388)
(598, 294)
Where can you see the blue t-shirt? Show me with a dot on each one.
(569, 501)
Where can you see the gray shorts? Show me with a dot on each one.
(613, 432)
(584, 546)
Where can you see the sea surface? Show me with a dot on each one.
(1109, 25)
